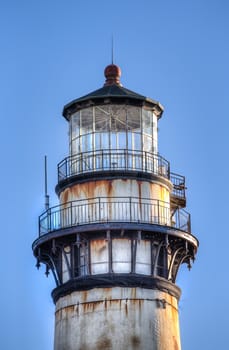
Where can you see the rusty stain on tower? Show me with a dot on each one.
(120, 233)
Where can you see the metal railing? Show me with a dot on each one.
(111, 160)
(115, 159)
(178, 182)
(113, 209)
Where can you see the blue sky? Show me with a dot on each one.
(176, 52)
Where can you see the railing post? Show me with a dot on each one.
(130, 203)
(66, 168)
(49, 219)
(39, 225)
(126, 159)
(99, 209)
(145, 161)
(178, 218)
(168, 170)
(88, 212)
(102, 161)
(93, 160)
(71, 223)
(158, 212)
(58, 172)
(189, 223)
(110, 165)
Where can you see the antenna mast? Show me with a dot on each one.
(112, 49)
(46, 191)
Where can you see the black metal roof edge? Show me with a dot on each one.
(105, 93)
(125, 280)
(154, 228)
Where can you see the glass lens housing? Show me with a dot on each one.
(113, 127)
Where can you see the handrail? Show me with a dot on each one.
(112, 209)
(179, 187)
(113, 159)
(120, 159)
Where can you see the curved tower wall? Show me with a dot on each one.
(117, 318)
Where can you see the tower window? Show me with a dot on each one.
(80, 259)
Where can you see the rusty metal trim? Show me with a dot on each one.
(90, 228)
(118, 280)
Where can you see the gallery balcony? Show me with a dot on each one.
(123, 160)
(130, 210)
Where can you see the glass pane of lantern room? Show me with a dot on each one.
(147, 143)
(75, 125)
(148, 131)
(101, 145)
(74, 132)
(122, 142)
(86, 143)
(136, 140)
(86, 121)
(119, 125)
(137, 147)
(155, 147)
(147, 122)
(113, 140)
(101, 119)
(118, 118)
(104, 143)
(133, 119)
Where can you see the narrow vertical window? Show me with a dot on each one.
(99, 256)
(81, 259)
(66, 263)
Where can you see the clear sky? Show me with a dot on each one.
(176, 52)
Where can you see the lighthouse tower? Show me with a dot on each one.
(120, 233)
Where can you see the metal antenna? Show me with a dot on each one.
(112, 49)
(46, 191)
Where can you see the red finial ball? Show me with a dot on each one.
(112, 74)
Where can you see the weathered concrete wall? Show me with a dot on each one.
(117, 319)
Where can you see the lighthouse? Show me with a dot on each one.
(120, 233)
